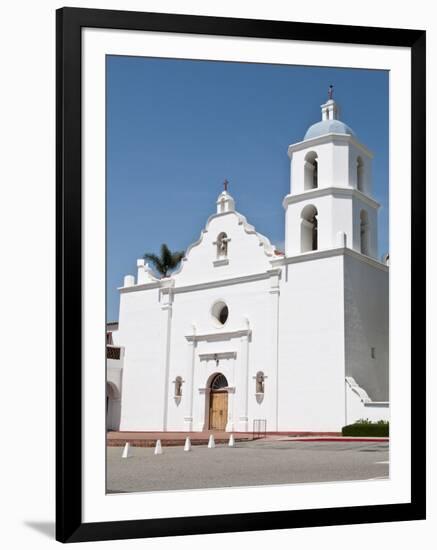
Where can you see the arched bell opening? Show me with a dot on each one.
(360, 174)
(311, 174)
(364, 233)
(309, 229)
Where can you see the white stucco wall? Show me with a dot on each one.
(250, 307)
(311, 347)
(141, 335)
(367, 325)
(300, 352)
(306, 322)
(115, 338)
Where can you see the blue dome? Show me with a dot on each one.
(328, 127)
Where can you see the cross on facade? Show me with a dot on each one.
(225, 184)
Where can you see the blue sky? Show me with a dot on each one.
(177, 128)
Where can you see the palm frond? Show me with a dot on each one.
(167, 261)
(165, 255)
(176, 258)
(157, 263)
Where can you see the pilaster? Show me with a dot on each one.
(202, 419)
(189, 386)
(243, 418)
(165, 332)
(274, 323)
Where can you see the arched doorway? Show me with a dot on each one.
(113, 407)
(218, 403)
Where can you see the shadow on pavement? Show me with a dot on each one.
(46, 528)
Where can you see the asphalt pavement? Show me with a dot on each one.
(253, 463)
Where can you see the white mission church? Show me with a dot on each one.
(243, 332)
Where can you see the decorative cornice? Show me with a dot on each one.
(269, 249)
(334, 191)
(218, 356)
(217, 336)
(317, 254)
(167, 285)
(366, 259)
(333, 137)
(164, 284)
(229, 389)
(218, 263)
(227, 282)
(134, 288)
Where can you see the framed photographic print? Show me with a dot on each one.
(240, 274)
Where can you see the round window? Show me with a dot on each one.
(220, 312)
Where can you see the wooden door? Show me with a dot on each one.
(218, 410)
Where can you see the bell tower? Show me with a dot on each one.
(330, 204)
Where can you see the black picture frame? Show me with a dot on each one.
(69, 525)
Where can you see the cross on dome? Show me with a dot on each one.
(330, 109)
(225, 203)
(330, 123)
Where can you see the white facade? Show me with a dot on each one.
(242, 332)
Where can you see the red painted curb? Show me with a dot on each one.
(343, 439)
(165, 442)
(180, 442)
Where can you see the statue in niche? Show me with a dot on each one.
(259, 382)
(178, 387)
(222, 245)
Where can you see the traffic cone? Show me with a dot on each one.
(158, 448)
(126, 451)
(232, 441)
(211, 442)
(187, 444)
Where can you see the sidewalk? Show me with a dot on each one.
(148, 439)
(328, 438)
(168, 439)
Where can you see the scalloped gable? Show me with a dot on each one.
(248, 251)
